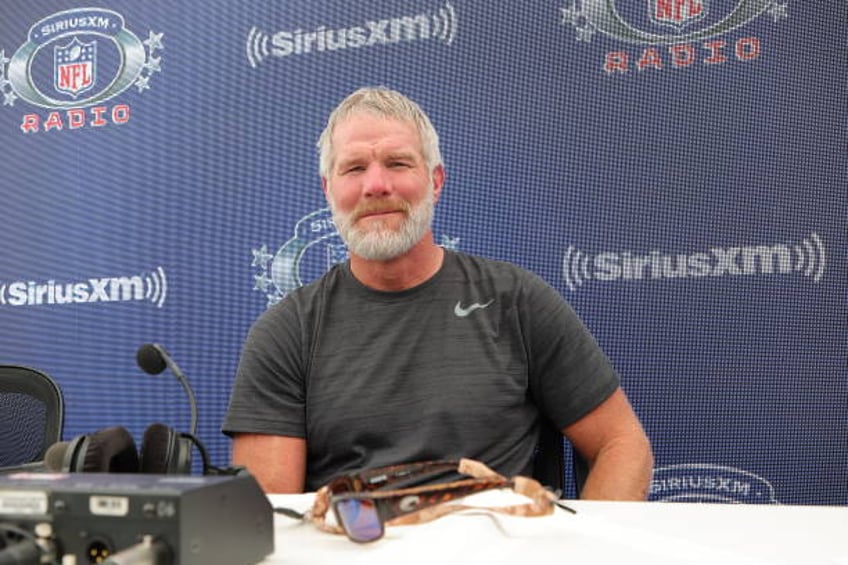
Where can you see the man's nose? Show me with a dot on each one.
(376, 182)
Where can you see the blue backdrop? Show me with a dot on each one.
(676, 168)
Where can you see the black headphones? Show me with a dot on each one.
(163, 450)
(112, 450)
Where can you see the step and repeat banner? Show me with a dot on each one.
(675, 168)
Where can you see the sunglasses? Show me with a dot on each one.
(364, 503)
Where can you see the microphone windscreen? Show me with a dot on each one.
(55, 455)
(150, 359)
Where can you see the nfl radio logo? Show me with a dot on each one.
(74, 67)
(676, 13)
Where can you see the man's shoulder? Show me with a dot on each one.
(478, 266)
(486, 276)
(305, 298)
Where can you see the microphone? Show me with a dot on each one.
(152, 358)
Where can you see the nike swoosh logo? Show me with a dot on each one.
(463, 312)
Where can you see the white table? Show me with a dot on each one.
(601, 532)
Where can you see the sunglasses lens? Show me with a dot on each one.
(360, 520)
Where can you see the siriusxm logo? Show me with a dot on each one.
(148, 287)
(806, 257)
(75, 62)
(441, 25)
(705, 482)
(93, 57)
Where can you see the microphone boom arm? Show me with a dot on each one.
(152, 358)
(192, 401)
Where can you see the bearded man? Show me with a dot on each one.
(410, 352)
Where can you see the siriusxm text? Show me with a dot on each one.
(80, 23)
(719, 261)
(702, 483)
(108, 289)
(382, 32)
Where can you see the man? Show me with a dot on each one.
(410, 352)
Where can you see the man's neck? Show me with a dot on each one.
(406, 271)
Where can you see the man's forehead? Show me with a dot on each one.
(364, 124)
(387, 135)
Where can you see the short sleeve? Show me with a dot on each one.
(569, 373)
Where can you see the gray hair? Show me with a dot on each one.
(383, 102)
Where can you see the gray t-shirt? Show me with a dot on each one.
(467, 364)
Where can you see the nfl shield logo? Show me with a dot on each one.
(74, 67)
(676, 13)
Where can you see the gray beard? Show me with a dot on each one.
(382, 244)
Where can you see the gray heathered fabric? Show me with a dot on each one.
(377, 378)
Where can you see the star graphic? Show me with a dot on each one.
(262, 282)
(9, 98)
(575, 17)
(153, 65)
(570, 15)
(143, 83)
(584, 33)
(261, 257)
(449, 242)
(778, 11)
(154, 41)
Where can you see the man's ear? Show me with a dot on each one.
(438, 181)
(325, 187)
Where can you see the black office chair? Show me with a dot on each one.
(553, 453)
(31, 415)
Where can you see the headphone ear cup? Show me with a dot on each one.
(163, 451)
(182, 461)
(72, 460)
(111, 450)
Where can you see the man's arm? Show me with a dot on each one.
(618, 452)
(277, 462)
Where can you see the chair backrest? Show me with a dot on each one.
(31, 415)
(549, 461)
(553, 452)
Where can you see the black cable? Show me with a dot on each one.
(208, 468)
(289, 512)
(204, 455)
(564, 507)
(560, 503)
(16, 530)
(24, 551)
